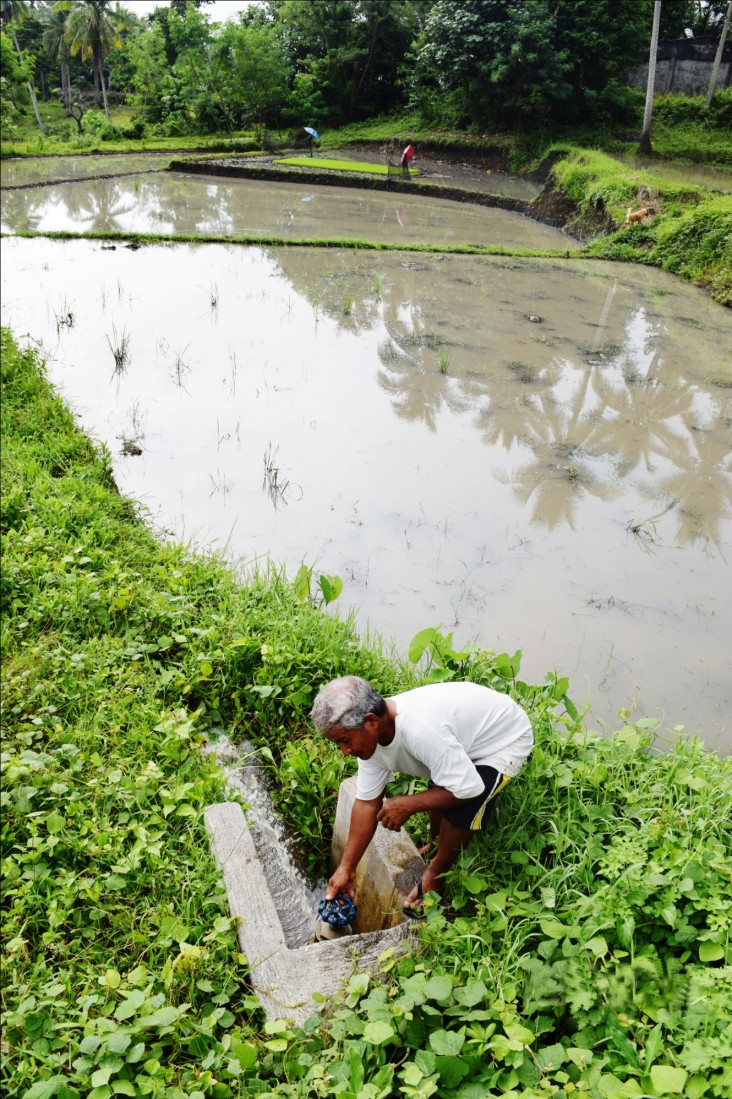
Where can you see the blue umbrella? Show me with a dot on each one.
(310, 130)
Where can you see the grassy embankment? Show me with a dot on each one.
(587, 950)
(689, 233)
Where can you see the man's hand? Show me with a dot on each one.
(341, 882)
(394, 812)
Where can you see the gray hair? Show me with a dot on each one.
(345, 702)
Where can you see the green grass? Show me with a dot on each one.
(325, 164)
(587, 946)
(314, 242)
(690, 235)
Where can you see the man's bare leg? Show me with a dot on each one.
(436, 818)
(452, 840)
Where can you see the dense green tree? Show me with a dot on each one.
(199, 73)
(161, 18)
(345, 54)
(153, 87)
(179, 6)
(530, 61)
(13, 84)
(502, 61)
(256, 71)
(603, 40)
(13, 12)
(706, 16)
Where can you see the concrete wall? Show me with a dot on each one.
(284, 979)
(685, 67)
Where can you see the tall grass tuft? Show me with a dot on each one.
(119, 345)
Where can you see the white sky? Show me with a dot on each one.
(218, 12)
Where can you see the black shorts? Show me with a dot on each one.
(474, 813)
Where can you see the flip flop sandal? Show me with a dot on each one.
(414, 909)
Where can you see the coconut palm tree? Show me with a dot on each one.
(644, 147)
(93, 30)
(15, 11)
(55, 41)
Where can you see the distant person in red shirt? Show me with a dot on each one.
(407, 158)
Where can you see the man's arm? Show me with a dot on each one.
(398, 810)
(360, 833)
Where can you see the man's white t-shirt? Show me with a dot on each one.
(442, 731)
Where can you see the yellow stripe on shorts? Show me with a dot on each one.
(477, 822)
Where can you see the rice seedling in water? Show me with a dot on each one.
(221, 437)
(347, 305)
(219, 484)
(64, 318)
(444, 362)
(234, 367)
(275, 487)
(120, 348)
(180, 366)
(213, 298)
(137, 418)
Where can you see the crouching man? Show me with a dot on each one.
(468, 740)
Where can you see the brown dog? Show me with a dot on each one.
(634, 216)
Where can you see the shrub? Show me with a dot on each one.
(98, 125)
(678, 110)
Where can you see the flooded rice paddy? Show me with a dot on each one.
(173, 203)
(29, 171)
(531, 453)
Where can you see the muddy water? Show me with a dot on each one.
(535, 454)
(176, 203)
(26, 171)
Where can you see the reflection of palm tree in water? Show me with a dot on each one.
(631, 422)
(701, 485)
(514, 411)
(632, 409)
(25, 208)
(411, 373)
(559, 474)
(99, 204)
(637, 419)
(587, 418)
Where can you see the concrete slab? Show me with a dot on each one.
(285, 979)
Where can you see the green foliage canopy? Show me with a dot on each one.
(533, 61)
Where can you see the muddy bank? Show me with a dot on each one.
(552, 207)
